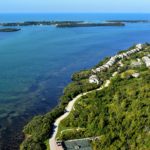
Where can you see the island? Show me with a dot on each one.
(9, 30)
(86, 24)
(37, 23)
(70, 24)
(129, 21)
(61, 24)
(104, 107)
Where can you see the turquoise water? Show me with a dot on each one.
(37, 62)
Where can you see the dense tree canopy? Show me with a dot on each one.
(119, 114)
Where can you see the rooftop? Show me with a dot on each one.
(78, 144)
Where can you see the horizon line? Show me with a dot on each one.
(76, 12)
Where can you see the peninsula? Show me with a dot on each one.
(99, 108)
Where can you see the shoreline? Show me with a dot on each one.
(106, 105)
(59, 112)
(94, 39)
(53, 141)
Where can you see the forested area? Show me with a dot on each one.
(118, 115)
(40, 127)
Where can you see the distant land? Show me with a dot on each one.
(80, 80)
(9, 30)
(37, 23)
(129, 21)
(62, 23)
(69, 24)
(84, 24)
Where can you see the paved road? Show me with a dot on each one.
(52, 140)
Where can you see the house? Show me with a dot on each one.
(93, 79)
(135, 75)
(120, 64)
(137, 63)
(137, 50)
(106, 66)
(139, 46)
(102, 68)
(98, 69)
(78, 144)
(146, 59)
(94, 71)
(113, 60)
(120, 56)
(124, 54)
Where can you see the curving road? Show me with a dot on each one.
(52, 140)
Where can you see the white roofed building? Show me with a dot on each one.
(146, 59)
(93, 79)
(113, 60)
(139, 46)
(135, 75)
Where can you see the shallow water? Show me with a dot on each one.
(37, 62)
